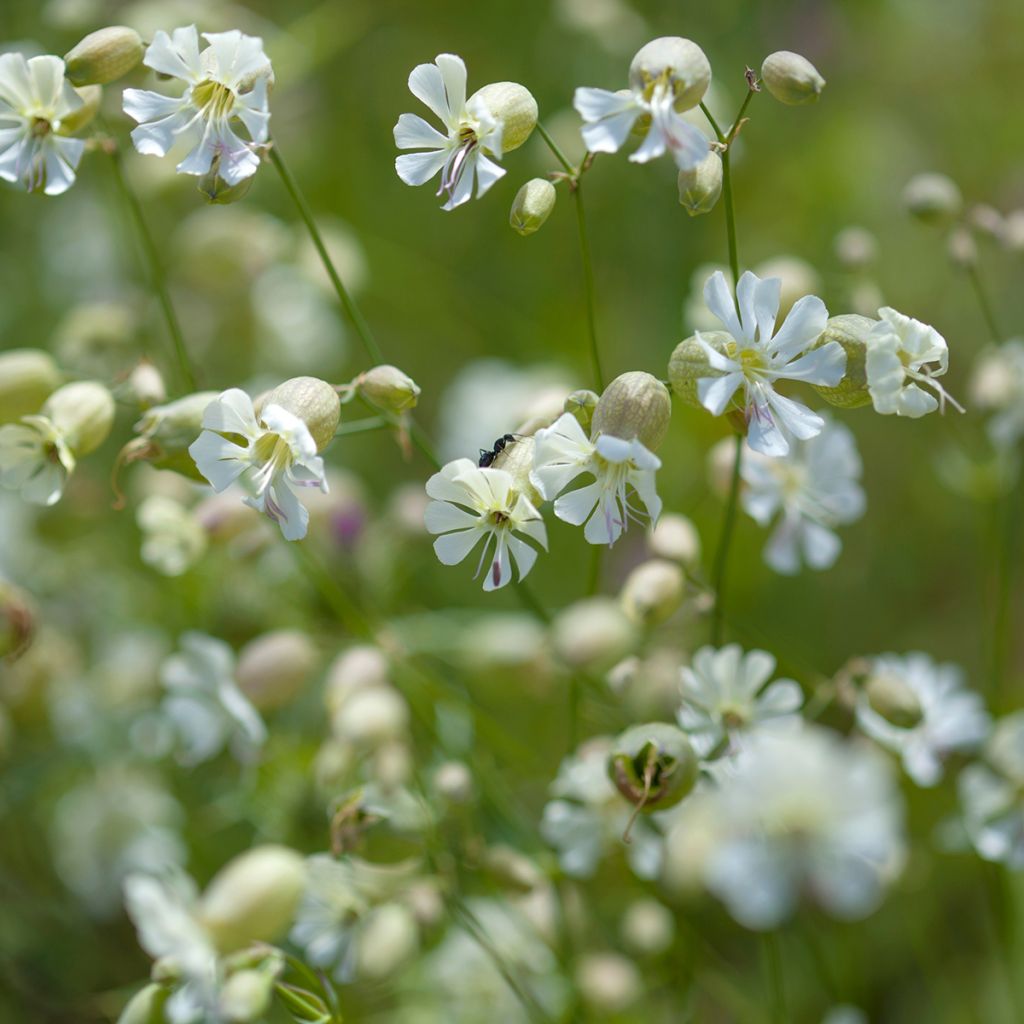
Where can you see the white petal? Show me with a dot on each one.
(825, 366)
(487, 173)
(412, 132)
(220, 461)
(803, 326)
(715, 393)
(232, 413)
(176, 55)
(452, 548)
(719, 299)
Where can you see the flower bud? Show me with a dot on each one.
(593, 633)
(146, 1006)
(987, 220)
(388, 939)
(851, 331)
(635, 405)
(454, 781)
(273, 668)
(371, 717)
(146, 384)
(253, 898)
(83, 413)
(104, 56)
(856, 248)
(797, 278)
(245, 996)
(358, 668)
(512, 869)
(388, 388)
(91, 97)
(689, 363)
(314, 401)
(890, 697)
(217, 191)
(648, 927)
(17, 620)
(791, 79)
(700, 187)
(582, 404)
(609, 983)
(679, 62)
(653, 591)
(27, 377)
(932, 198)
(653, 766)
(516, 459)
(532, 206)
(1013, 231)
(676, 538)
(514, 106)
(962, 249)
(392, 765)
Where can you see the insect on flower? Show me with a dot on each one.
(488, 456)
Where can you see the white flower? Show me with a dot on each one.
(173, 540)
(952, 718)
(564, 452)
(204, 702)
(279, 453)
(902, 354)
(759, 355)
(812, 489)
(724, 695)
(802, 812)
(225, 84)
(35, 459)
(473, 504)
(471, 133)
(34, 99)
(997, 383)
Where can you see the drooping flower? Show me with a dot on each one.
(948, 717)
(758, 356)
(902, 355)
(564, 452)
(279, 454)
(812, 489)
(35, 100)
(226, 84)
(473, 504)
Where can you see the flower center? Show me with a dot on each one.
(40, 127)
(499, 517)
(751, 360)
(214, 99)
(273, 455)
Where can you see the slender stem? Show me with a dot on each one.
(156, 272)
(588, 286)
(420, 439)
(362, 426)
(776, 992)
(985, 302)
(554, 147)
(724, 542)
(594, 578)
(348, 303)
(531, 603)
(1006, 555)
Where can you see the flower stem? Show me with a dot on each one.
(985, 303)
(1006, 554)
(156, 272)
(362, 426)
(724, 542)
(776, 992)
(348, 303)
(556, 149)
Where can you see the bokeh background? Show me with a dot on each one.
(912, 86)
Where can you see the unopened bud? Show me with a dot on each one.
(104, 56)
(392, 764)
(653, 766)
(512, 869)
(146, 1006)
(28, 376)
(1013, 231)
(932, 198)
(635, 405)
(962, 249)
(371, 717)
(217, 191)
(358, 668)
(653, 591)
(146, 384)
(454, 781)
(273, 668)
(988, 220)
(648, 927)
(516, 459)
(165, 433)
(387, 939)
(314, 401)
(253, 898)
(609, 983)
(582, 404)
(514, 106)
(681, 63)
(689, 363)
(593, 633)
(851, 331)
(890, 697)
(388, 388)
(856, 248)
(83, 414)
(91, 97)
(700, 187)
(675, 537)
(532, 206)
(1005, 748)
(17, 620)
(790, 78)
(245, 996)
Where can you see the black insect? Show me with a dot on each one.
(487, 457)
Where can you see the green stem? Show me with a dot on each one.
(985, 303)
(724, 543)
(776, 992)
(362, 426)
(594, 577)
(554, 147)
(156, 272)
(348, 303)
(1006, 554)
(420, 439)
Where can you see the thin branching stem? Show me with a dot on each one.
(724, 544)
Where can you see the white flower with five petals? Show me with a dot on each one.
(35, 459)
(758, 356)
(564, 452)
(35, 98)
(225, 84)
(278, 452)
(462, 152)
(473, 504)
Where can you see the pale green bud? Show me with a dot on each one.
(146, 1006)
(388, 388)
(856, 248)
(253, 898)
(676, 538)
(372, 717)
(146, 385)
(532, 206)
(17, 620)
(609, 983)
(962, 249)
(91, 96)
(689, 363)
(514, 106)
(512, 869)
(653, 766)
(679, 62)
(1013, 231)
(358, 668)
(653, 591)
(274, 668)
(165, 433)
(388, 939)
(314, 401)
(791, 79)
(516, 459)
(27, 377)
(593, 633)
(245, 996)
(635, 405)
(582, 404)
(933, 199)
(217, 191)
(454, 782)
(104, 56)
(83, 413)
(648, 927)
(851, 331)
(700, 187)
(988, 221)
(890, 697)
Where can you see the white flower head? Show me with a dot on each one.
(902, 355)
(226, 84)
(759, 355)
(813, 489)
(205, 704)
(35, 98)
(726, 694)
(173, 540)
(997, 384)
(462, 153)
(473, 504)
(35, 459)
(952, 718)
(564, 452)
(278, 453)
